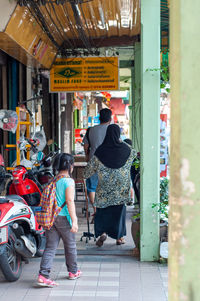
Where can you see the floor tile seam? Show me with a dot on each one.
(97, 280)
(95, 290)
(140, 276)
(162, 280)
(110, 286)
(66, 276)
(166, 293)
(2, 296)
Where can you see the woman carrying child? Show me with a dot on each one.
(65, 225)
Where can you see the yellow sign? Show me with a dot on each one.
(85, 74)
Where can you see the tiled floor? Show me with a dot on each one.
(111, 278)
(109, 247)
(110, 273)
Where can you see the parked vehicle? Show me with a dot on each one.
(44, 171)
(4, 177)
(25, 184)
(20, 235)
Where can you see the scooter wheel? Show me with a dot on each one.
(10, 260)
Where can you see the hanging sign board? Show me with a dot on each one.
(85, 74)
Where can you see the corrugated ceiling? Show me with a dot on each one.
(96, 23)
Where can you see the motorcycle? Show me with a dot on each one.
(44, 172)
(25, 184)
(4, 177)
(41, 166)
(20, 235)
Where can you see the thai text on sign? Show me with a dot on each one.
(85, 74)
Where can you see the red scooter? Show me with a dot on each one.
(25, 185)
(20, 235)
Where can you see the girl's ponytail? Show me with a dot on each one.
(63, 161)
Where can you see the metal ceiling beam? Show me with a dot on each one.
(110, 42)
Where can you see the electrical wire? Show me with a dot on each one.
(69, 22)
(36, 18)
(81, 32)
(61, 25)
(49, 14)
(86, 24)
(43, 23)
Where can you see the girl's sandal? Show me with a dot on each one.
(46, 282)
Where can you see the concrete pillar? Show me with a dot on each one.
(131, 107)
(150, 129)
(66, 125)
(184, 221)
(137, 98)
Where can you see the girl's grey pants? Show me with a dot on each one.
(61, 229)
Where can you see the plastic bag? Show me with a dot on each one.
(23, 161)
(40, 135)
(8, 120)
(164, 249)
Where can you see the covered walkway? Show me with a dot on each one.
(110, 278)
(110, 273)
(109, 247)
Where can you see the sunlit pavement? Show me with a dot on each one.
(109, 273)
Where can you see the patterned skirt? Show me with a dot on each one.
(111, 220)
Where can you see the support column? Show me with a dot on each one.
(59, 121)
(137, 98)
(150, 112)
(184, 237)
(66, 125)
(131, 107)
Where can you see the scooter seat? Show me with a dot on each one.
(3, 200)
(11, 198)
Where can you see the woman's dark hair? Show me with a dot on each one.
(63, 161)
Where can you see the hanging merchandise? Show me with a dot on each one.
(23, 144)
(163, 145)
(106, 98)
(40, 135)
(22, 115)
(79, 135)
(8, 120)
(1, 160)
(78, 100)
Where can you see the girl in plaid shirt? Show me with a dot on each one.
(65, 225)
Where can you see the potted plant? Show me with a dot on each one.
(162, 209)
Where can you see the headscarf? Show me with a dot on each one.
(113, 153)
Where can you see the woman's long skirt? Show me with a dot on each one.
(111, 220)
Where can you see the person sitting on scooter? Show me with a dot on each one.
(65, 225)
